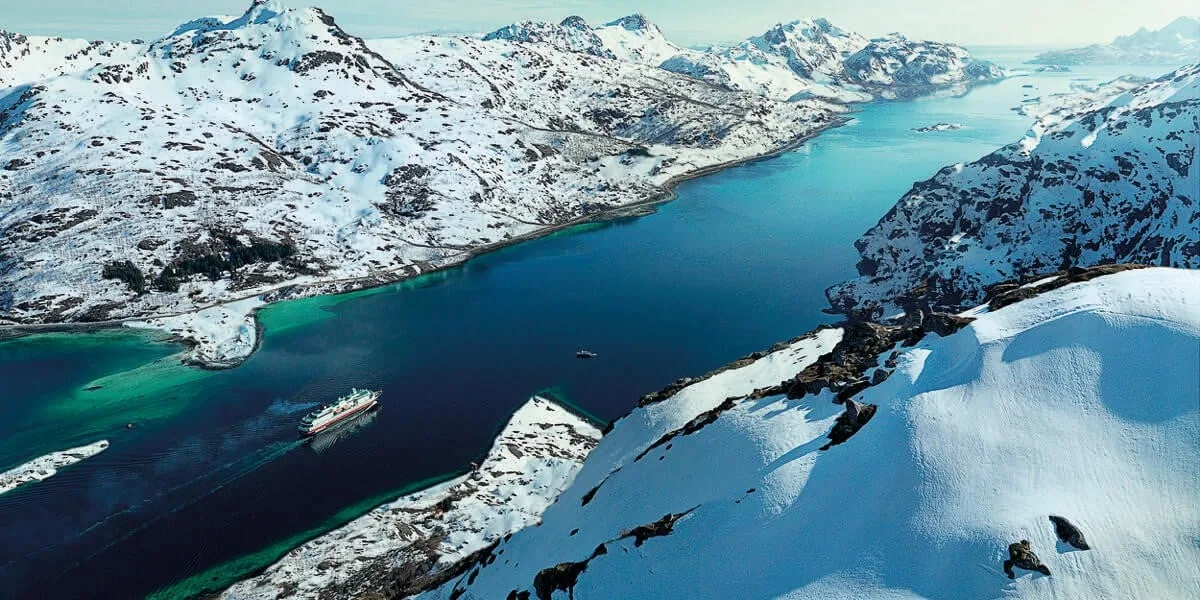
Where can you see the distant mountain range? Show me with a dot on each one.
(799, 59)
(1176, 44)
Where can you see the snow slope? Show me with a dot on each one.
(1050, 406)
(1175, 44)
(533, 459)
(273, 154)
(1111, 176)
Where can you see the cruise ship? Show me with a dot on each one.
(356, 402)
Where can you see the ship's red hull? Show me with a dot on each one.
(340, 419)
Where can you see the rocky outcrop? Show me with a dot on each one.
(849, 422)
(1069, 533)
(1021, 555)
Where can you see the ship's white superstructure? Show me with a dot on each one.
(356, 402)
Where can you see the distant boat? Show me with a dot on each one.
(585, 354)
(345, 407)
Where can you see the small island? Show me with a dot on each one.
(938, 127)
(44, 467)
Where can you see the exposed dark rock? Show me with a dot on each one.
(661, 527)
(879, 376)
(945, 324)
(1006, 294)
(862, 343)
(1069, 533)
(683, 382)
(560, 577)
(850, 390)
(1021, 555)
(849, 422)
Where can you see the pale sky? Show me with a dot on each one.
(1004, 22)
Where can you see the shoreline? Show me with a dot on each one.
(294, 291)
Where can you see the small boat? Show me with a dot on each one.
(585, 354)
(345, 407)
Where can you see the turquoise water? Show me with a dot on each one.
(211, 483)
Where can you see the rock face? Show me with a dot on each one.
(978, 436)
(1176, 44)
(1069, 533)
(424, 538)
(1107, 179)
(317, 164)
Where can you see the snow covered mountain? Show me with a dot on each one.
(1044, 421)
(274, 152)
(1176, 44)
(791, 61)
(1111, 176)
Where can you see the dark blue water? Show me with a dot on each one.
(211, 482)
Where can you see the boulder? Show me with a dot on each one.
(1069, 533)
(1021, 555)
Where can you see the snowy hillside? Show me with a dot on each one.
(274, 152)
(1108, 177)
(791, 61)
(1176, 44)
(415, 538)
(1047, 408)
(26, 58)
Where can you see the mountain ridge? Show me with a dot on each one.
(1175, 44)
(794, 60)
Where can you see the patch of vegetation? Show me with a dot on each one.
(127, 272)
(225, 253)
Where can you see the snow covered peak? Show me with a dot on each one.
(635, 39)
(631, 38)
(1182, 32)
(572, 35)
(634, 22)
(574, 22)
(813, 48)
(1175, 44)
